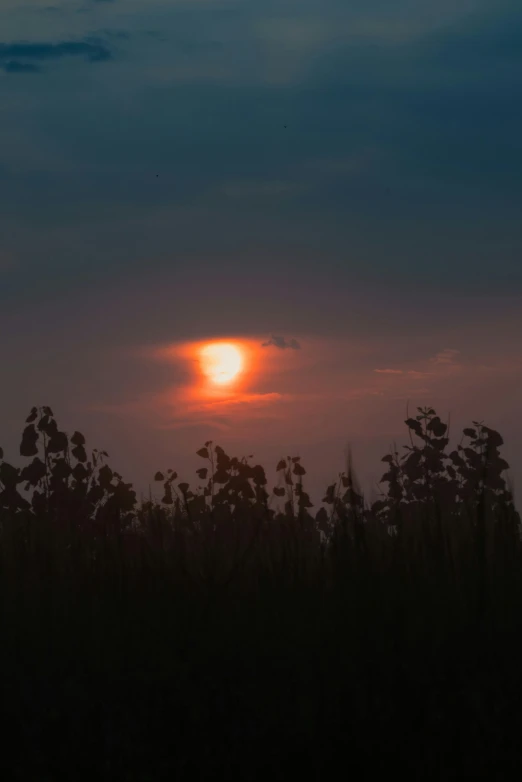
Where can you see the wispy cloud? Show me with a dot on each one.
(177, 408)
(282, 343)
(417, 374)
(14, 66)
(21, 57)
(446, 356)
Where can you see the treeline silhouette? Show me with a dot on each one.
(232, 630)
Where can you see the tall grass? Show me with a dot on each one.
(234, 631)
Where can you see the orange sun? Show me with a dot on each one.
(221, 362)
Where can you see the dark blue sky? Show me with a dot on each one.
(151, 193)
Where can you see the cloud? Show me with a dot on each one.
(13, 56)
(446, 356)
(282, 343)
(418, 375)
(389, 371)
(178, 408)
(14, 66)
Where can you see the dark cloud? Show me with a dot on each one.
(282, 343)
(12, 55)
(389, 142)
(14, 66)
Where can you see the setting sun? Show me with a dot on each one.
(221, 362)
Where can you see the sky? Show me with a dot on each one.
(335, 184)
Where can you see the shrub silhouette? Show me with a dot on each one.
(60, 479)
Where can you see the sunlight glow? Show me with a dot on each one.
(221, 362)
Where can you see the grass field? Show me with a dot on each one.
(235, 631)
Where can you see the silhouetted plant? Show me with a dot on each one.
(428, 476)
(60, 480)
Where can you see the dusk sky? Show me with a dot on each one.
(335, 185)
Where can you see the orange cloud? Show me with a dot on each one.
(446, 356)
(199, 396)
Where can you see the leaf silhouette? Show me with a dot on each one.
(304, 501)
(80, 473)
(330, 494)
(58, 442)
(34, 472)
(223, 461)
(437, 427)
(167, 497)
(8, 474)
(48, 425)
(247, 490)
(29, 440)
(258, 475)
(61, 469)
(494, 439)
(105, 476)
(78, 439)
(415, 425)
(203, 452)
(79, 453)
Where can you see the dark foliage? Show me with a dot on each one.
(232, 631)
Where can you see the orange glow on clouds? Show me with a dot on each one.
(227, 377)
(218, 369)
